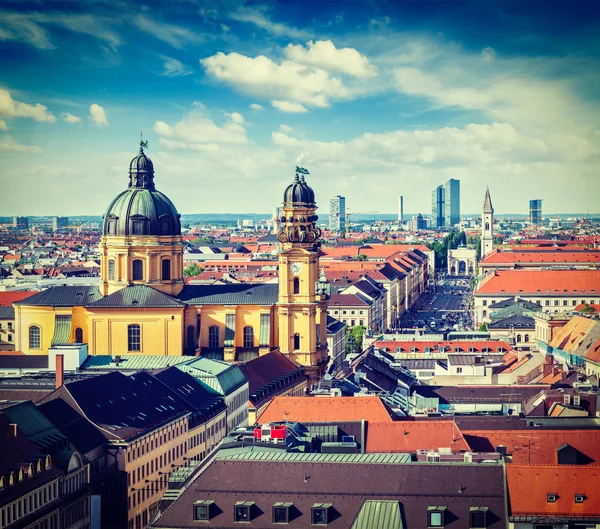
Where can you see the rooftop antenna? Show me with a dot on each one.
(143, 144)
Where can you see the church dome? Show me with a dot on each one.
(141, 209)
(299, 192)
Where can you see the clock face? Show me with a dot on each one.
(296, 268)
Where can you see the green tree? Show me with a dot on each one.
(192, 270)
(362, 257)
(354, 339)
(483, 327)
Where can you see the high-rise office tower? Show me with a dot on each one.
(60, 223)
(400, 210)
(535, 212)
(337, 214)
(438, 207)
(21, 223)
(452, 203)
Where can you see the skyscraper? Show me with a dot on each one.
(535, 212)
(452, 203)
(337, 214)
(438, 207)
(60, 223)
(21, 223)
(400, 210)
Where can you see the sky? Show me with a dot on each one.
(375, 98)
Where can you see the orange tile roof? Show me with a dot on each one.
(409, 436)
(528, 487)
(542, 256)
(325, 409)
(569, 337)
(463, 345)
(541, 282)
(537, 447)
(8, 298)
(593, 353)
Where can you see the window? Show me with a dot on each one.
(477, 517)
(296, 341)
(459, 369)
(191, 335)
(556, 302)
(281, 512)
(296, 285)
(34, 337)
(213, 337)
(111, 270)
(319, 513)
(133, 338)
(485, 302)
(579, 498)
(435, 516)
(242, 511)
(485, 313)
(567, 399)
(518, 337)
(526, 336)
(166, 269)
(551, 498)
(78, 335)
(138, 270)
(248, 336)
(576, 400)
(202, 510)
(547, 302)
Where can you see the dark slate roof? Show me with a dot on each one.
(345, 485)
(517, 321)
(334, 325)
(514, 301)
(136, 296)
(7, 313)
(62, 296)
(234, 294)
(80, 432)
(483, 394)
(24, 361)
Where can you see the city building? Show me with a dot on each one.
(418, 223)
(487, 225)
(144, 307)
(21, 223)
(337, 214)
(451, 203)
(462, 261)
(438, 207)
(59, 223)
(537, 258)
(401, 209)
(535, 212)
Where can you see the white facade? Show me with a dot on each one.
(487, 225)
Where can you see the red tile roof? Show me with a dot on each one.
(537, 447)
(346, 300)
(8, 298)
(593, 353)
(541, 282)
(541, 256)
(463, 345)
(326, 409)
(529, 486)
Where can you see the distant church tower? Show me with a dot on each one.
(487, 225)
(141, 236)
(302, 304)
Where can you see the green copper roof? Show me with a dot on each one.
(62, 330)
(291, 457)
(221, 377)
(132, 362)
(378, 514)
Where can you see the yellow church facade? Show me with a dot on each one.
(142, 305)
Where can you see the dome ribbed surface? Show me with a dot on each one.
(299, 192)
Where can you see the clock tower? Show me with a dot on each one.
(302, 304)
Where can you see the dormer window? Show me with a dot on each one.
(435, 516)
(551, 498)
(281, 512)
(579, 498)
(478, 517)
(202, 510)
(242, 511)
(320, 513)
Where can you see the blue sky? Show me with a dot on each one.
(376, 98)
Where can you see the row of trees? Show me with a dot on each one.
(453, 240)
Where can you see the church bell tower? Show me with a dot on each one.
(487, 225)
(302, 304)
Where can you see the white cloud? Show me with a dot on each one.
(198, 132)
(70, 118)
(258, 18)
(288, 81)
(176, 36)
(288, 106)
(236, 117)
(8, 144)
(256, 107)
(3, 125)
(324, 54)
(174, 68)
(98, 115)
(9, 108)
(285, 128)
(489, 54)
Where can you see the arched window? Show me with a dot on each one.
(296, 341)
(30, 471)
(526, 336)
(133, 337)
(39, 465)
(48, 462)
(166, 269)
(111, 270)
(213, 337)
(248, 337)
(487, 225)
(138, 270)
(2, 481)
(11, 479)
(296, 285)
(35, 337)
(484, 313)
(21, 474)
(191, 335)
(518, 337)
(78, 335)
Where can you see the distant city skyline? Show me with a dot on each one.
(376, 99)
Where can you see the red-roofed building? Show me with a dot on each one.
(513, 259)
(555, 290)
(326, 409)
(8, 298)
(558, 495)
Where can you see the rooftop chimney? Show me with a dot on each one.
(556, 370)
(60, 370)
